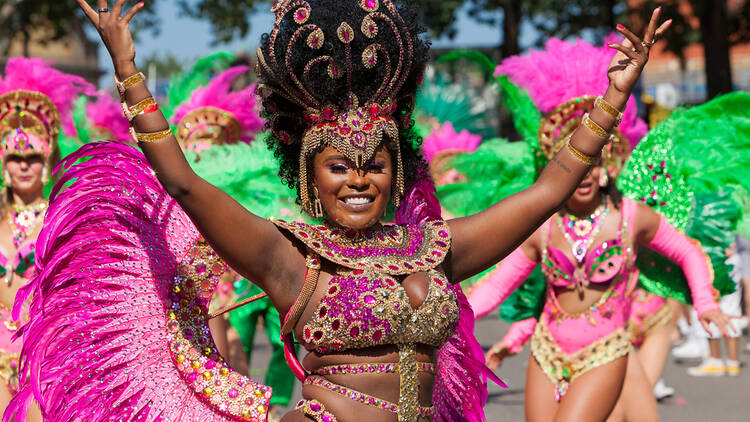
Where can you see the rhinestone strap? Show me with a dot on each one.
(366, 398)
(370, 368)
(316, 410)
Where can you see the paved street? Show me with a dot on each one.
(724, 399)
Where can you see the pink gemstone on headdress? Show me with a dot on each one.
(301, 15)
(368, 126)
(329, 114)
(315, 407)
(374, 110)
(345, 130)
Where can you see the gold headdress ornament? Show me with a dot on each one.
(559, 124)
(358, 129)
(29, 125)
(211, 125)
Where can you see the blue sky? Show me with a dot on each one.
(188, 39)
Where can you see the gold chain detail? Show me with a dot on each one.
(408, 400)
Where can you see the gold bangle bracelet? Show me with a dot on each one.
(584, 158)
(594, 127)
(150, 137)
(129, 82)
(608, 108)
(131, 112)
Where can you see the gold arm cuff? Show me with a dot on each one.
(129, 82)
(131, 112)
(595, 128)
(150, 137)
(608, 108)
(586, 159)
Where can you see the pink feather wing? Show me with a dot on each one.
(110, 329)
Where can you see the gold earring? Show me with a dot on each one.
(45, 176)
(317, 205)
(6, 178)
(604, 178)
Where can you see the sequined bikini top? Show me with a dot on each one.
(364, 304)
(601, 265)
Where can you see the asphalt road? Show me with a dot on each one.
(721, 399)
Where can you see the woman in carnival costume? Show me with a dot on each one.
(35, 104)
(581, 342)
(376, 305)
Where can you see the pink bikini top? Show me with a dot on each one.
(22, 264)
(365, 304)
(601, 265)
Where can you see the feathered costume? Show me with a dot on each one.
(35, 104)
(124, 282)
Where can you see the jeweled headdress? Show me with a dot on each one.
(36, 101)
(216, 115)
(355, 124)
(563, 81)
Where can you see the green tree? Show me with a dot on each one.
(44, 21)
(229, 19)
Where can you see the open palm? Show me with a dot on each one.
(114, 28)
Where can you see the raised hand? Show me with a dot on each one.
(721, 320)
(633, 54)
(114, 29)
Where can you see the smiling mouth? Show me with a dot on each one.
(358, 200)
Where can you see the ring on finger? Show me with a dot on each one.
(648, 44)
(103, 10)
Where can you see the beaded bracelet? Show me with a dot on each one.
(608, 108)
(150, 137)
(129, 82)
(146, 106)
(594, 127)
(584, 158)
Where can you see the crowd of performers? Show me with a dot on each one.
(342, 199)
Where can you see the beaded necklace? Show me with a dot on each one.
(25, 218)
(580, 232)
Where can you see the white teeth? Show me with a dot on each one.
(357, 200)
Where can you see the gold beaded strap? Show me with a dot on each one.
(129, 82)
(608, 108)
(150, 137)
(371, 368)
(595, 128)
(312, 262)
(145, 106)
(586, 159)
(315, 410)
